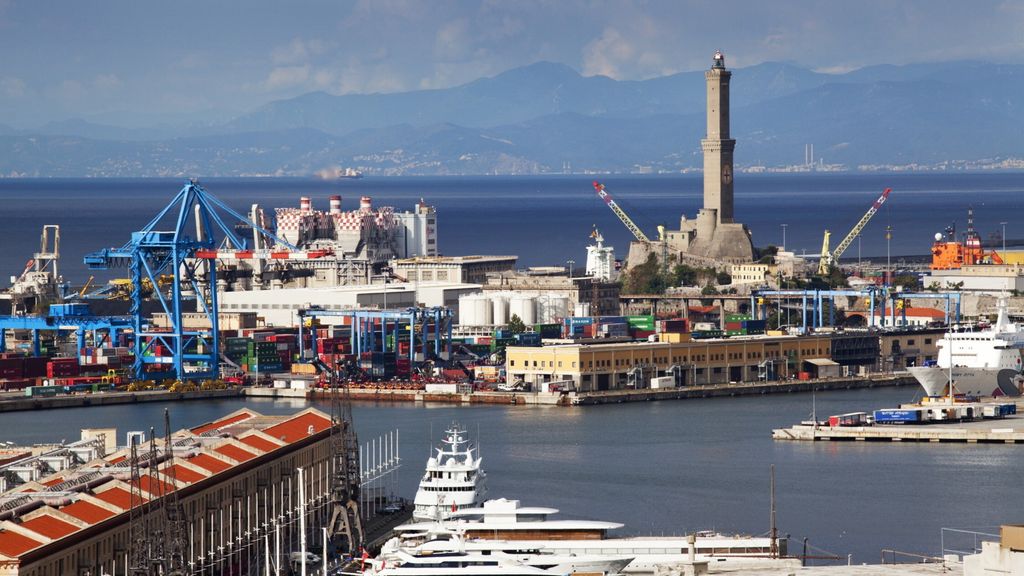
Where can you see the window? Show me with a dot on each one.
(927, 340)
(910, 342)
(511, 362)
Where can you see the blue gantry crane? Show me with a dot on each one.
(190, 259)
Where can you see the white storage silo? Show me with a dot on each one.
(525, 307)
(559, 307)
(467, 313)
(499, 306)
(484, 312)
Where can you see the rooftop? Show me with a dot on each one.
(45, 510)
(473, 259)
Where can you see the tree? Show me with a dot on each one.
(516, 325)
(723, 278)
(646, 278)
(909, 282)
(683, 275)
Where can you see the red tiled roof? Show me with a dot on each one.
(13, 544)
(53, 482)
(222, 423)
(207, 462)
(118, 459)
(87, 512)
(183, 474)
(118, 497)
(49, 526)
(298, 428)
(260, 443)
(151, 486)
(703, 309)
(235, 453)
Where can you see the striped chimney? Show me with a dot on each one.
(305, 205)
(335, 204)
(365, 204)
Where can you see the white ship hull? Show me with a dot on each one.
(977, 382)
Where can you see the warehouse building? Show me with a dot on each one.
(235, 478)
(592, 367)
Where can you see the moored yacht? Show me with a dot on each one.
(453, 480)
(505, 526)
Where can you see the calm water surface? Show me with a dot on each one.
(671, 467)
(542, 219)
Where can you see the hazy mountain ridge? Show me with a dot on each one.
(544, 117)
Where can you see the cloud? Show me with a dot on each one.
(606, 55)
(286, 77)
(298, 51)
(107, 82)
(13, 87)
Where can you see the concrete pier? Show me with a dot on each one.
(741, 389)
(17, 403)
(1009, 430)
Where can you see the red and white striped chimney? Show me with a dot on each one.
(335, 204)
(305, 205)
(365, 204)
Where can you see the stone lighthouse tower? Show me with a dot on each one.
(717, 146)
(714, 236)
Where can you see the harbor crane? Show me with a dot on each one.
(829, 258)
(190, 263)
(604, 195)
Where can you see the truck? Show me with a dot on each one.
(899, 416)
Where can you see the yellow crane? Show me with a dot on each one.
(829, 258)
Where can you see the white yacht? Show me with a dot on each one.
(984, 362)
(503, 526)
(453, 479)
(447, 552)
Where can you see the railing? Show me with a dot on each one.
(890, 554)
(972, 536)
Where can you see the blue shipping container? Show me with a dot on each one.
(578, 320)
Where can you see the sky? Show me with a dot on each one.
(143, 63)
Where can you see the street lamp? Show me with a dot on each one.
(1003, 224)
(570, 263)
(888, 261)
(784, 236)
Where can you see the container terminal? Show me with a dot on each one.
(211, 298)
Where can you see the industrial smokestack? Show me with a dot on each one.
(335, 204)
(365, 204)
(305, 205)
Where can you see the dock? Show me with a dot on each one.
(19, 402)
(739, 389)
(857, 570)
(1009, 430)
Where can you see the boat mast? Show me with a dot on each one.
(773, 530)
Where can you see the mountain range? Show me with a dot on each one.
(546, 117)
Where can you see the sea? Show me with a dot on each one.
(672, 467)
(545, 220)
(657, 467)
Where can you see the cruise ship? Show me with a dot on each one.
(984, 362)
(453, 479)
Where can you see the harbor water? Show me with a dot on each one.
(543, 219)
(672, 467)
